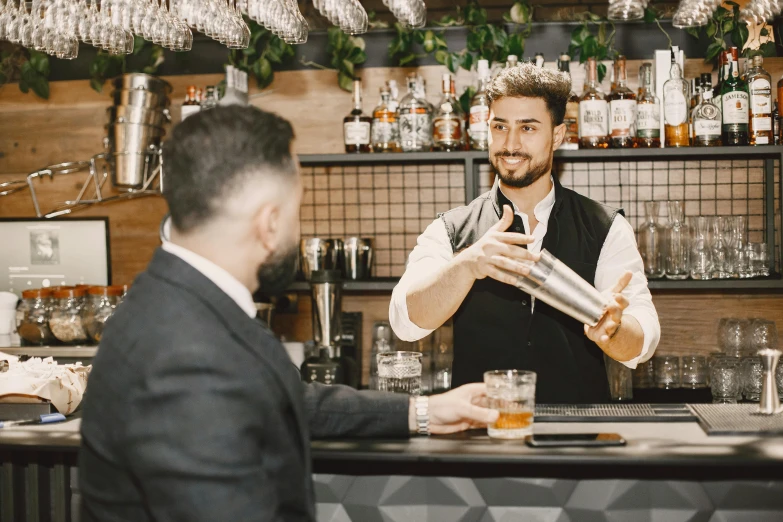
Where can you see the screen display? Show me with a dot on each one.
(37, 253)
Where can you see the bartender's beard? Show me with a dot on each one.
(518, 178)
(277, 274)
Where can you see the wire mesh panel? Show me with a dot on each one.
(706, 188)
(392, 204)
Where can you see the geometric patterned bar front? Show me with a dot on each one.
(422, 499)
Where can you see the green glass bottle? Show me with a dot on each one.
(735, 99)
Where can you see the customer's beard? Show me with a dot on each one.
(277, 274)
(534, 171)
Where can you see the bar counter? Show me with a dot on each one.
(668, 471)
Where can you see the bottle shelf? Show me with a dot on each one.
(381, 285)
(664, 154)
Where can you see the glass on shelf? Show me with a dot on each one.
(65, 320)
(701, 254)
(751, 377)
(759, 259)
(667, 371)
(99, 307)
(725, 380)
(694, 371)
(33, 317)
(651, 242)
(721, 259)
(740, 255)
(677, 251)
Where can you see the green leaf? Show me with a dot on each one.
(40, 62)
(262, 71)
(138, 44)
(712, 51)
(764, 32)
(742, 34)
(348, 68)
(712, 28)
(649, 15)
(429, 42)
(441, 57)
(40, 87)
(406, 59)
(601, 69)
(453, 62)
(357, 56)
(3, 78)
(694, 31)
(419, 36)
(602, 34)
(345, 82)
(440, 41)
(467, 61)
(23, 86)
(728, 25)
(768, 49)
(589, 48)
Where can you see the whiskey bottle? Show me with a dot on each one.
(478, 128)
(776, 124)
(706, 119)
(706, 84)
(190, 106)
(447, 120)
(695, 92)
(593, 112)
(414, 119)
(760, 87)
(648, 111)
(571, 119)
(356, 126)
(210, 100)
(622, 110)
(734, 99)
(384, 130)
(675, 106)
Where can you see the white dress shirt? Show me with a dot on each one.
(222, 279)
(618, 254)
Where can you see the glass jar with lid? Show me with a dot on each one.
(100, 305)
(66, 317)
(33, 317)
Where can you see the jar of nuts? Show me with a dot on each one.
(33, 317)
(66, 317)
(100, 305)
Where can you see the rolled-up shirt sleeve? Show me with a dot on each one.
(432, 252)
(620, 254)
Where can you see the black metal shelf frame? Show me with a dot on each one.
(472, 161)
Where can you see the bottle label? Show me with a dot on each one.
(675, 108)
(593, 119)
(648, 120)
(356, 132)
(623, 116)
(760, 97)
(189, 110)
(706, 128)
(479, 122)
(415, 131)
(447, 130)
(762, 124)
(735, 108)
(383, 132)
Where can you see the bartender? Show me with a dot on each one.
(466, 262)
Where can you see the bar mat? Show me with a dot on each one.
(736, 419)
(613, 413)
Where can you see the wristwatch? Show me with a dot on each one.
(422, 404)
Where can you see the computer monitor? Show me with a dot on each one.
(36, 253)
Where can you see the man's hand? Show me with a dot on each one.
(609, 324)
(498, 254)
(456, 410)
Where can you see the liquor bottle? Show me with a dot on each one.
(414, 119)
(210, 100)
(780, 100)
(199, 96)
(478, 129)
(622, 110)
(648, 111)
(706, 84)
(706, 118)
(776, 124)
(511, 61)
(539, 59)
(384, 130)
(675, 107)
(760, 87)
(356, 125)
(191, 105)
(695, 92)
(447, 120)
(571, 119)
(722, 68)
(734, 99)
(394, 95)
(593, 112)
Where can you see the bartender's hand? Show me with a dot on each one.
(602, 333)
(498, 254)
(456, 410)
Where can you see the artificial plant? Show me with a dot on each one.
(265, 52)
(29, 67)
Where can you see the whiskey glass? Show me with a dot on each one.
(513, 394)
(725, 380)
(400, 372)
(667, 371)
(694, 371)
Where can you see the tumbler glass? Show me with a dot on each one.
(725, 380)
(400, 372)
(751, 377)
(513, 394)
(667, 371)
(694, 371)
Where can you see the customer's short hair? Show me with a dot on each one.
(210, 155)
(526, 80)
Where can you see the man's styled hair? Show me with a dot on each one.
(211, 154)
(529, 81)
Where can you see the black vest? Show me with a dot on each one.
(494, 327)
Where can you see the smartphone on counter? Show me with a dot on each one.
(561, 440)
